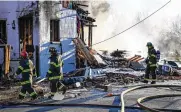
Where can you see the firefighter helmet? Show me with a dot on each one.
(52, 50)
(24, 54)
(149, 44)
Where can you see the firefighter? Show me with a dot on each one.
(54, 73)
(27, 70)
(151, 64)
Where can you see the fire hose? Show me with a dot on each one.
(148, 97)
(9, 104)
(123, 107)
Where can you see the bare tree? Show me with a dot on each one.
(170, 41)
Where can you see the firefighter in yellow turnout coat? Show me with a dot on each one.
(54, 73)
(27, 70)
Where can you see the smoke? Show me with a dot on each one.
(171, 40)
(114, 16)
(98, 7)
(117, 18)
(98, 10)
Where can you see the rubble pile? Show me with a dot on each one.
(117, 77)
(117, 59)
(118, 71)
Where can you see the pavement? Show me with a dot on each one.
(94, 96)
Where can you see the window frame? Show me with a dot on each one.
(5, 26)
(56, 27)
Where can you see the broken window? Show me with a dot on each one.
(3, 36)
(54, 31)
(25, 32)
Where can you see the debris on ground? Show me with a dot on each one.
(11, 94)
(118, 71)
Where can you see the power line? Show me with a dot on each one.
(132, 25)
(123, 30)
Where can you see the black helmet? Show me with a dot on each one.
(52, 50)
(149, 44)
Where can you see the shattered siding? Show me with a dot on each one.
(47, 12)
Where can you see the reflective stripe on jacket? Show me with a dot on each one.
(152, 60)
(25, 68)
(54, 71)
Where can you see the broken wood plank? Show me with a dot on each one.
(85, 51)
(7, 59)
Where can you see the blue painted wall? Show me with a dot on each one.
(41, 31)
(68, 55)
(67, 32)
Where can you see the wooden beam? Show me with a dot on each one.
(8, 63)
(82, 30)
(89, 36)
(87, 25)
(29, 33)
(87, 18)
(7, 59)
(24, 43)
(82, 5)
(78, 42)
(80, 10)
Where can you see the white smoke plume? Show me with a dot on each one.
(171, 40)
(114, 16)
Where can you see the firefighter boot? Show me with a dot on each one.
(34, 97)
(153, 82)
(21, 97)
(64, 89)
(50, 96)
(145, 81)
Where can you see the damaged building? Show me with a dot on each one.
(35, 26)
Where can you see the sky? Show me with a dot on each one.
(122, 14)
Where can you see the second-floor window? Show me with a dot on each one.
(54, 31)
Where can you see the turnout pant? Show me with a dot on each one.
(150, 70)
(27, 88)
(55, 85)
